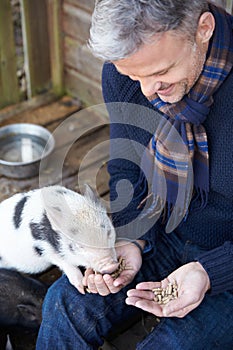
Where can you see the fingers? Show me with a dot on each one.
(90, 283)
(145, 300)
(145, 304)
(87, 273)
(140, 294)
(148, 285)
(101, 284)
(110, 283)
(124, 279)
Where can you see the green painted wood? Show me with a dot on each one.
(55, 38)
(9, 90)
(229, 6)
(36, 46)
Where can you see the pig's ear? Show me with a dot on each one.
(57, 208)
(58, 213)
(55, 215)
(90, 194)
(28, 312)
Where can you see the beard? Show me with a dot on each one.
(183, 87)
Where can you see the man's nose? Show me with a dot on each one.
(150, 86)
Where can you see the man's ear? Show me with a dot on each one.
(205, 27)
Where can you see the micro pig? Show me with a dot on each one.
(21, 299)
(56, 226)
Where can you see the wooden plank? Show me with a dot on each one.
(85, 162)
(56, 56)
(76, 22)
(87, 90)
(70, 167)
(81, 142)
(36, 46)
(8, 68)
(26, 106)
(84, 122)
(101, 186)
(70, 158)
(45, 114)
(94, 151)
(87, 5)
(78, 57)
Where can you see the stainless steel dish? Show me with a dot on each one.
(22, 147)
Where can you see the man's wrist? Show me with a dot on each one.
(140, 244)
(144, 245)
(208, 285)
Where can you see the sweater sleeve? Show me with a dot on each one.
(218, 263)
(126, 191)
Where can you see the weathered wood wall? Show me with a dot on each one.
(29, 50)
(82, 72)
(9, 92)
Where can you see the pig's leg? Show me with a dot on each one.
(72, 272)
(75, 276)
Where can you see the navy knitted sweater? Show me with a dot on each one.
(212, 227)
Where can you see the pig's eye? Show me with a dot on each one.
(57, 209)
(74, 231)
(102, 225)
(109, 233)
(79, 246)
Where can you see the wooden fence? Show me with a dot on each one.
(41, 32)
(56, 58)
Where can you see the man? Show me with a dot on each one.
(167, 82)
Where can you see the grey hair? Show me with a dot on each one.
(120, 27)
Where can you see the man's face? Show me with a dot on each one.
(168, 67)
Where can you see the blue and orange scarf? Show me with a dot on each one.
(177, 159)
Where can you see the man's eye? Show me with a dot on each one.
(163, 73)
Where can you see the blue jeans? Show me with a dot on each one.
(73, 321)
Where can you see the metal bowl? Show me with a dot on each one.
(22, 147)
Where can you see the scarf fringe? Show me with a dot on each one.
(171, 214)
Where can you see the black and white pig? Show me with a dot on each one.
(56, 226)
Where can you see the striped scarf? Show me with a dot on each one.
(177, 160)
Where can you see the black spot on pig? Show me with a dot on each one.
(39, 251)
(57, 209)
(21, 299)
(18, 211)
(71, 248)
(61, 191)
(43, 231)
